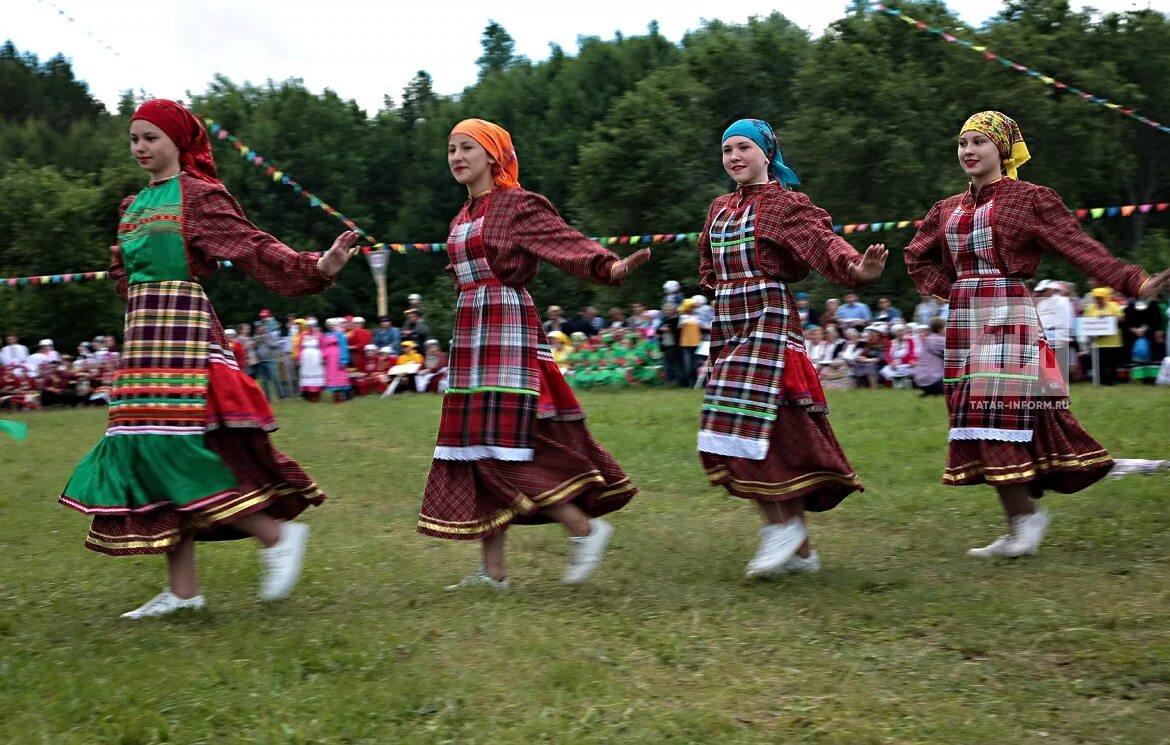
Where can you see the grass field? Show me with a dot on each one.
(900, 639)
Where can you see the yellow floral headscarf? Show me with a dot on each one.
(1005, 133)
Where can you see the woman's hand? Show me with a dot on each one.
(619, 270)
(1154, 286)
(333, 261)
(871, 265)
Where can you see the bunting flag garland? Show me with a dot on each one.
(216, 130)
(61, 12)
(1046, 79)
(1091, 213)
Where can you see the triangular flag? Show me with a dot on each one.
(1127, 210)
(1097, 212)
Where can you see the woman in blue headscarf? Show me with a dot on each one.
(764, 434)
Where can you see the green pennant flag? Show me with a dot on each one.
(16, 430)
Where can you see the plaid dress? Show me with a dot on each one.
(512, 440)
(764, 433)
(1008, 404)
(186, 447)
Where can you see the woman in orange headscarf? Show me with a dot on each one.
(512, 445)
(1010, 426)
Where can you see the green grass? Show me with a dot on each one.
(900, 639)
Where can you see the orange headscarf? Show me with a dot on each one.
(498, 143)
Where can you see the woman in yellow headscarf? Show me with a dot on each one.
(1010, 426)
(512, 445)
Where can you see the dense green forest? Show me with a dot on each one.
(623, 137)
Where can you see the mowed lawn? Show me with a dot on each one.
(900, 639)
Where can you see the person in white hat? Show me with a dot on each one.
(358, 337)
(672, 292)
(45, 355)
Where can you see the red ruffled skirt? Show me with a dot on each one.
(472, 500)
(804, 460)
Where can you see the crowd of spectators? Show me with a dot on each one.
(849, 343)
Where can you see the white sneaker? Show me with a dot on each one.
(585, 552)
(778, 544)
(282, 562)
(802, 564)
(164, 603)
(1028, 531)
(480, 579)
(999, 547)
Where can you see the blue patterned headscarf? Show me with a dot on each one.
(761, 133)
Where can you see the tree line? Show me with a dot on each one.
(623, 137)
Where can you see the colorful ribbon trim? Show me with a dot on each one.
(1093, 213)
(1047, 79)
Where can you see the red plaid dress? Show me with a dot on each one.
(172, 325)
(764, 433)
(1007, 400)
(512, 440)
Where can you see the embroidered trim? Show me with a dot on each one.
(990, 433)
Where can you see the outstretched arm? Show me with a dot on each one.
(217, 227)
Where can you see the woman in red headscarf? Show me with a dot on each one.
(186, 455)
(512, 445)
(1010, 425)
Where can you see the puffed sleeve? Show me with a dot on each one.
(807, 230)
(1057, 230)
(540, 231)
(924, 258)
(117, 270)
(217, 227)
(706, 265)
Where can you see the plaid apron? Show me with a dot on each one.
(161, 383)
(493, 378)
(749, 339)
(998, 370)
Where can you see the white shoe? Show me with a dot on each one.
(778, 544)
(164, 603)
(282, 562)
(999, 547)
(802, 564)
(585, 552)
(480, 579)
(1029, 532)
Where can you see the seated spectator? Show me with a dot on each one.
(808, 316)
(364, 380)
(561, 349)
(617, 319)
(815, 344)
(432, 378)
(402, 374)
(901, 354)
(871, 357)
(836, 372)
(829, 316)
(928, 370)
(386, 335)
(553, 319)
(584, 363)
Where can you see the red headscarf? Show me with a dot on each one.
(185, 131)
(498, 143)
